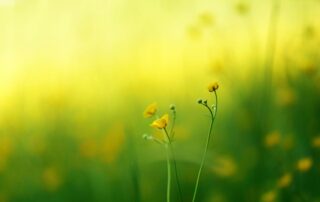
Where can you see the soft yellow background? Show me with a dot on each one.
(100, 50)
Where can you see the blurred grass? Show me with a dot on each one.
(75, 78)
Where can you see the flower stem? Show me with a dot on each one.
(174, 162)
(176, 174)
(213, 116)
(169, 174)
(171, 134)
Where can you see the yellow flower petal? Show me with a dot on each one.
(213, 86)
(150, 110)
(161, 122)
(165, 118)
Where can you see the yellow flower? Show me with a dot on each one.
(285, 180)
(3, 197)
(225, 166)
(242, 8)
(288, 142)
(309, 69)
(269, 196)
(206, 19)
(213, 86)
(194, 32)
(112, 144)
(304, 164)
(88, 148)
(316, 142)
(51, 179)
(272, 139)
(150, 110)
(161, 122)
(285, 97)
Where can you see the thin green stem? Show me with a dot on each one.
(169, 174)
(216, 106)
(174, 163)
(167, 135)
(176, 174)
(213, 116)
(173, 124)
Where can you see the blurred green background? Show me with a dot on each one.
(76, 76)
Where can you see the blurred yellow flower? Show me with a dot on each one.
(288, 142)
(194, 32)
(161, 122)
(309, 68)
(88, 148)
(224, 166)
(272, 139)
(309, 32)
(285, 97)
(213, 86)
(51, 179)
(316, 142)
(216, 197)
(3, 197)
(6, 148)
(269, 196)
(206, 18)
(304, 164)
(317, 82)
(36, 144)
(285, 180)
(181, 133)
(112, 145)
(150, 110)
(242, 8)
(217, 67)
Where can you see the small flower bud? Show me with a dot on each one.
(213, 87)
(172, 107)
(199, 101)
(147, 137)
(205, 102)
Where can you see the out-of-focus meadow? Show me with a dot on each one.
(76, 76)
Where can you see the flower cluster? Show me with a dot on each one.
(162, 123)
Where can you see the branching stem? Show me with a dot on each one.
(213, 116)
